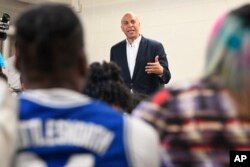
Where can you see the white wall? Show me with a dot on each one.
(181, 25)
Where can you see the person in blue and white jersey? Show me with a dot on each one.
(58, 125)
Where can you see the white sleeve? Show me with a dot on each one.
(142, 143)
(8, 125)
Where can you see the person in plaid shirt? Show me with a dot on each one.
(201, 121)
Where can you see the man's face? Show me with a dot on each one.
(130, 25)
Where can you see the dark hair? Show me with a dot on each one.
(105, 83)
(243, 13)
(49, 38)
(3, 76)
(104, 72)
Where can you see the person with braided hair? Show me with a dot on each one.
(106, 84)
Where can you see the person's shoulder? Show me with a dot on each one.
(183, 86)
(193, 94)
(175, 90)
(119, 44)
(151, 41)
(102, 109)
(141, 135)
(137, 125)
(140, 129)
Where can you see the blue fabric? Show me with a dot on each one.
(52, 123)
(2, 64)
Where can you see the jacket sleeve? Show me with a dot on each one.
(111, 57)
(164, 79)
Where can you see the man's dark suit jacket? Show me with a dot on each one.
(142, 82)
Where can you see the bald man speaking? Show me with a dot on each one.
(143, 61)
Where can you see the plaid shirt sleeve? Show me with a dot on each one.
(198, 126)
(152, 112)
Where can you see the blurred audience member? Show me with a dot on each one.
(138, 97)
(201, 121)
(8, 125)
(105, 83)
(12, 74)
(58, 125)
